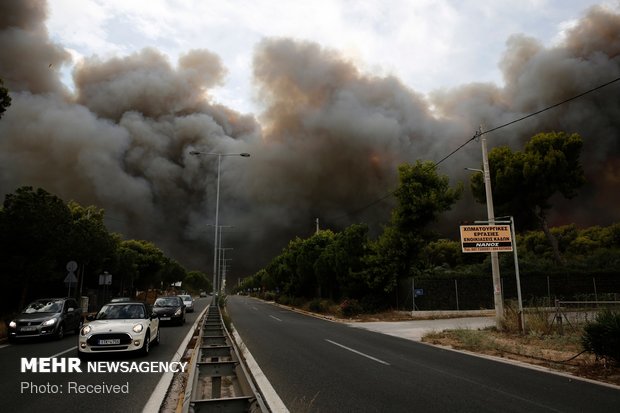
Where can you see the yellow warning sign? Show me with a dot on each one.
(486, 238)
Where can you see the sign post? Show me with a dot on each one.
(494, 237)
(70, 278)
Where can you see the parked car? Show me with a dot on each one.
(119, 327)
(47, 317)
(170, 309)
(188, 301)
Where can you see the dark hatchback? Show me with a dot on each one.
(170, 310)
(47, 317)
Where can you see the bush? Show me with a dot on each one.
(350, 308)
(602, 336)
(318, 306)
(284, 300)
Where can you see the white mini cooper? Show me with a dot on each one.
(119, 327)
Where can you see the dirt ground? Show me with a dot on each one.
(554, 351)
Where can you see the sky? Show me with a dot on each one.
(428, 44)
(109, 98)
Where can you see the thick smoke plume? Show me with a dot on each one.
(327, 143)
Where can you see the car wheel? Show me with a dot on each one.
(157, 338)
(83, 356)
(146, 347)
(60, 333)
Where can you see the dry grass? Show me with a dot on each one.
(558, 352)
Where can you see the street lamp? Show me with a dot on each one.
(497, 286)
(217, 209)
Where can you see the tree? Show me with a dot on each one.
(149, 263)
(5, 99)
(89, 242)
(340, 264)
(309, 281)
(197, 281)
(422, 196)
(34, 226)
(523, 182)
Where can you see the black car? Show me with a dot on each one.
(47, 317)
(170, 310)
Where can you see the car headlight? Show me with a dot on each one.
(178, 312)
(85, 330)
(49, 322)
(13, 324)
(138, 328)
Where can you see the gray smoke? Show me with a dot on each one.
(327, 143)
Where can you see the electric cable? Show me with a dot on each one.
(478, 134)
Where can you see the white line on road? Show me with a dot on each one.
(275, 318)
(63, 352)
(358, 352)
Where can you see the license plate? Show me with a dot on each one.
(28, 328)
(165, 319)
(110, 341)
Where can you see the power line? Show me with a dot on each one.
(478, 134)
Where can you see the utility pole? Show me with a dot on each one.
(497, 286)
(317, 226)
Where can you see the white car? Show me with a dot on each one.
(119, 327)
(189, 302)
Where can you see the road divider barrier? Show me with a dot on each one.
(219, 380)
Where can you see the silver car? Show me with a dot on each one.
(47, 317)
(189, 302)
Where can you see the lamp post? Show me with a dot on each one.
(217, 210)
(497, 286)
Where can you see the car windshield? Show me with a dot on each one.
(186, 297)
(167, 302)
(121, 312)
(44, 306)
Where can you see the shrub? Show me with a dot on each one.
(350, 308)
(317, 306)
(284, 300)
(602, 336)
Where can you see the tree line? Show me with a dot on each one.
(40, 233)
(348, 266)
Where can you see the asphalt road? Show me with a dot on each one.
(19, 395)
(320, 366)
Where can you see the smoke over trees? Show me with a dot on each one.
(328, 141)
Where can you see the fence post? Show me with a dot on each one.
(558, 316)
(456, 289)
(595, 293)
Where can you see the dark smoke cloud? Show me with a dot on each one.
(328, 142)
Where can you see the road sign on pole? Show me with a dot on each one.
(486, 238)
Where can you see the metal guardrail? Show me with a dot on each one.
(579, 312)
(219, 379)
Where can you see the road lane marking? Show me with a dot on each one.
(358, 352)
(275, 318)
(63, 352)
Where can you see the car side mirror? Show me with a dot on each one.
(90, 317)
(154, 316)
